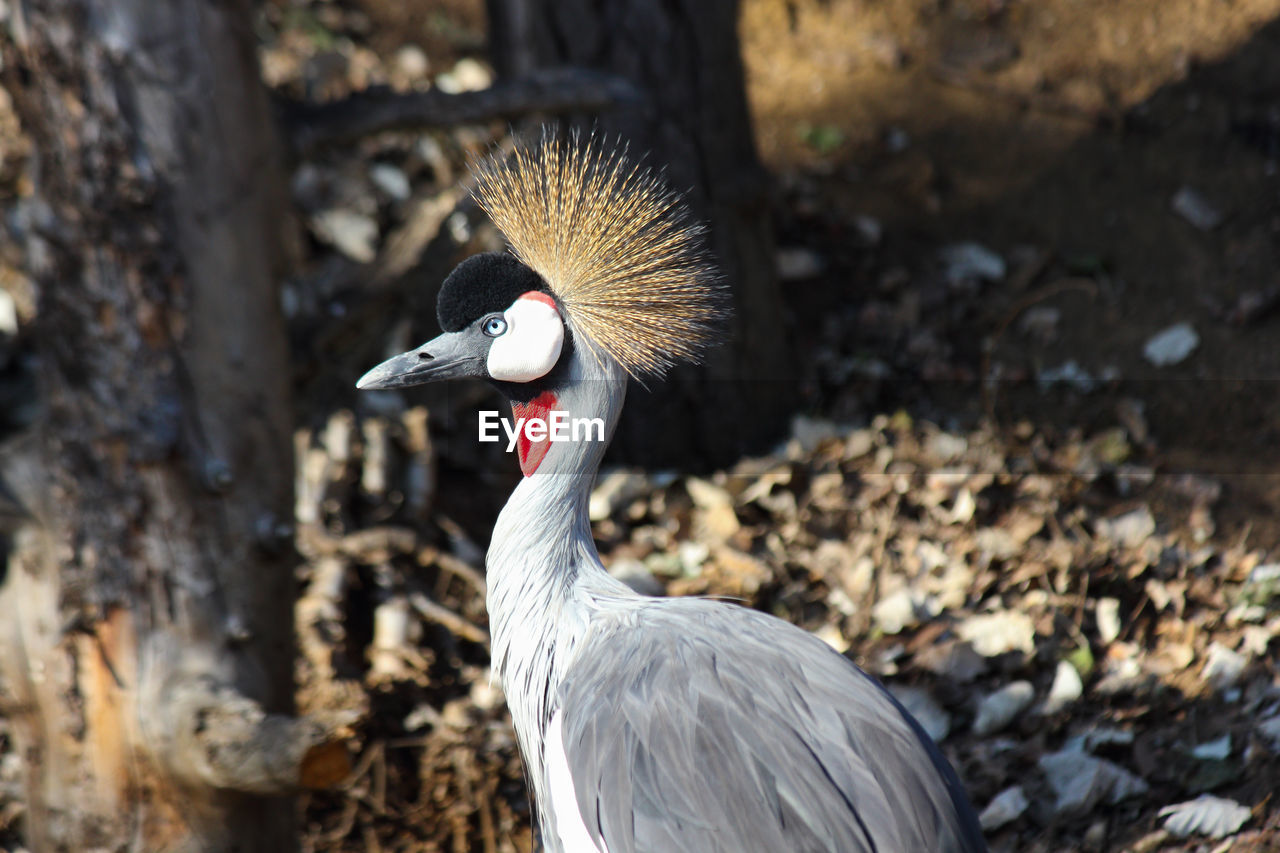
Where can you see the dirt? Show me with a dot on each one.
(1061, 130)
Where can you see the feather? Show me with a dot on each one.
(728, 730)
(617, 247)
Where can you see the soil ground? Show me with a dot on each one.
(1057, 133)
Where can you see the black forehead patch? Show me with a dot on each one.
(480, 285)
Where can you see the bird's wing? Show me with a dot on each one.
(709, 728)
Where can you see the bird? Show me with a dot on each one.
(648, 724)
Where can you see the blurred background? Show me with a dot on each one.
(997, 416)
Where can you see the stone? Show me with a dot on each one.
(1004, 808)
(1000, 708)
(1172, 345)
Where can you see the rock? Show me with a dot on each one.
(953, 659)
(613, 491)
(1263, 584)
(943, 447)
(1107, 614)
(8, 314)
(710, 497)
(353, 234)
(809, 432)
(1172, 345)
(692, 555)
(1208, 815)
(1270, 731)
(411, 61)
(950, 590)
(797, 263)
(861, 442)
(964, 262)
(1103, 736)
(896, 612)
(996, 633)
(1255, 639)
(1080, 781)
(1067, 688)
(467, 76)
(1192, 206)
(1223, 667)
(1005, 807)
(1000, 708)
(636, 575)
(932, 718)
(1214, 750)
(486, 694)
(391, 180)
(1040, 322)
(833, 637)
(1129, 530)
(1070, 374)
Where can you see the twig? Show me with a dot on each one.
(557, 90)
(370, 545)
(441, 615)
(484, 805)
(456, 567)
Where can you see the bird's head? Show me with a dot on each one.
(606, 264)
(500, 323)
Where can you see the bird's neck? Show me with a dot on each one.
(545, 578)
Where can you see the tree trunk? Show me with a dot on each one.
(695, 124)
(146, 615)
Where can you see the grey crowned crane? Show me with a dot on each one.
(648, 724)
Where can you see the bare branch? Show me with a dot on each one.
(558, 90)
(445, 617)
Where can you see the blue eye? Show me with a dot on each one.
(494, 326)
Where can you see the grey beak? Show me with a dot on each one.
(453, 355)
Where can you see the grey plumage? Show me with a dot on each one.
(701, 726)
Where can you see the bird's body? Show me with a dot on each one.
(652, 725)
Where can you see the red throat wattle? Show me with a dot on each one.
(532, 452)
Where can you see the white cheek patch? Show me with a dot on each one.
(531, 345)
